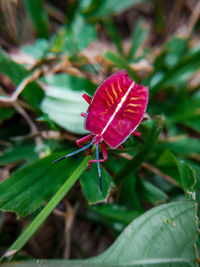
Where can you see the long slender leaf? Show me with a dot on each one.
(36, 223)
(113, 33)
(101, 9)
(38, 17)
(139, 35)
(122, 64)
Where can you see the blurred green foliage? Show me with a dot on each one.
(159, 171)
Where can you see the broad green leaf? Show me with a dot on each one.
(37, 50)
(138, 37)
(90, 185)
(27, 189)
(78, 263)
(16, 72)
(63, 102)
(38, 17)
(120, 62)
(6, 113)
(69, 81)
(160, 235)
(182, 145)
(102, 9)
(163, 236)
(19, 152)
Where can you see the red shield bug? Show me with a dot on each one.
(114, 113)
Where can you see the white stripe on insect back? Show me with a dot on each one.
(118, 107)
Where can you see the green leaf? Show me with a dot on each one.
(144, 240)
(135, 163)
(40, 218)
(90, 185)
(38, 17)
(37, 50)
(163, 236)
(102, 9)
(176, 75)
(116, 213)
(175, 47)
(10, 68)
(19, 152)
(187, 176)
(167, 164)
(152, 193)
(16, 72)
(182, 145)
(138, 37)
(83, 32)
(113, 33)
(72, 82)
(187, 112)
(27, 189)
(63, 102)
(129, 193)
(121, 63)
(6, 113)
(184, 172)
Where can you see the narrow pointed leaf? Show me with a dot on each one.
(139, 35)
(38, 17)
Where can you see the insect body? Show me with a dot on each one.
(114, 113)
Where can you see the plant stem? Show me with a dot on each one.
(36, 223)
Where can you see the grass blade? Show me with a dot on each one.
(36, 223)
(38, 17)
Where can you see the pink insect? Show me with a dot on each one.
(114, 113)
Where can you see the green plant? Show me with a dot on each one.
(159, 171)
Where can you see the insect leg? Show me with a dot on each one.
(83, 114)
(136, 133)
(84, 139)
(98, 166)
(104, 153)
(73, 153)
(87, 98)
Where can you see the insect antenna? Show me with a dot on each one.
(73, 153)
(98, 166)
